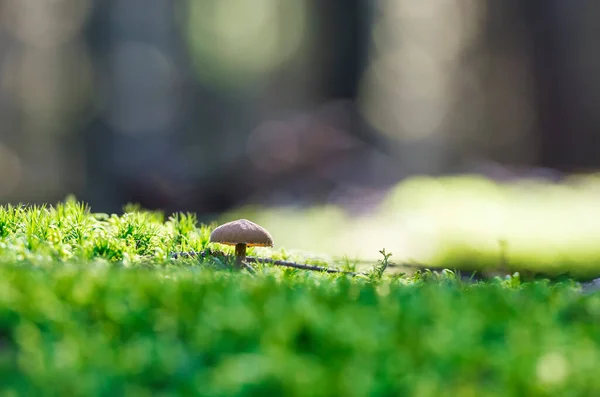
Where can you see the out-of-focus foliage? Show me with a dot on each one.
(95, 330)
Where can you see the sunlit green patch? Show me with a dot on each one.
(459, 222)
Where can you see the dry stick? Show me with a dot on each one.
(188, 254)
(298, 265)
(308, 267)
(274, 262)
(330, 270)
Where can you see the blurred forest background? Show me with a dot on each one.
(206, 105)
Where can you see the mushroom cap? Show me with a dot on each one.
(242, 231)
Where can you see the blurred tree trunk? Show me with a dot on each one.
(567, 78)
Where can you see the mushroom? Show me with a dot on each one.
(241, 233)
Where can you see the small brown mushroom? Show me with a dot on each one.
(241, 233)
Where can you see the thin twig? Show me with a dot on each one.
(190, 254)
(299, 265)
(275, 262)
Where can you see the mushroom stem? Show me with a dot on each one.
(240, 254)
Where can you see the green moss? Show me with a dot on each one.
(103, 330)
(92, 304)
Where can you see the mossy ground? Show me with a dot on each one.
(92, 304)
